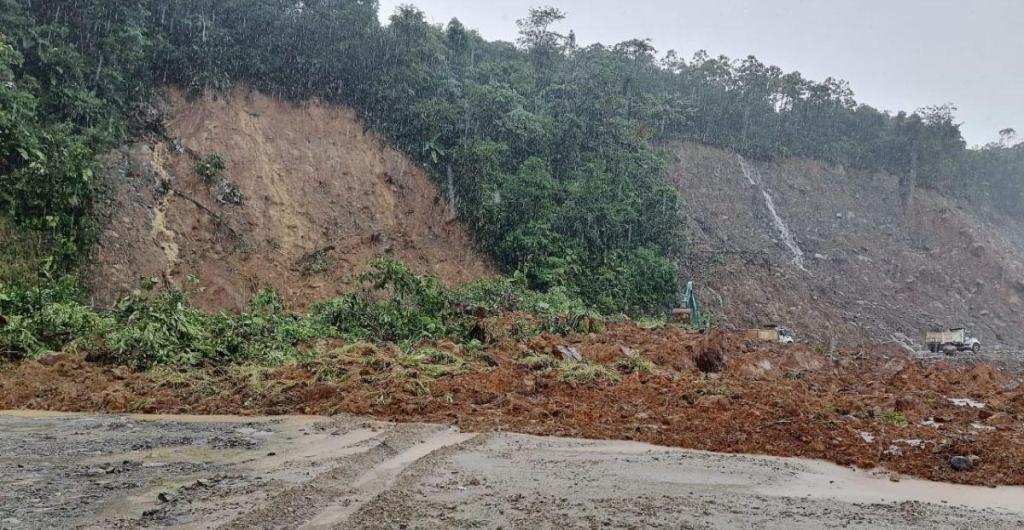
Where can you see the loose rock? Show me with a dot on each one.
(963, 463)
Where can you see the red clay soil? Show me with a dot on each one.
(322, 197)
(862, 408)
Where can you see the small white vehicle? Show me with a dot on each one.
(786, 336)
(952, 341)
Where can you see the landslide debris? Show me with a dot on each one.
(868, 407)
(874, 272)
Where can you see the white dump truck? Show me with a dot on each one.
(772, 334)
(952, 341)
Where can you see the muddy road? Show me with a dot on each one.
(89, 471)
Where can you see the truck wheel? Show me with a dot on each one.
(933, 348)
(949, 349)
(976, 348)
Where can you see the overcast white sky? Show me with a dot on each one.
(896, 54)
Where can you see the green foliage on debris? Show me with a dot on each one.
(635, 364)
(164, 329)
(895, 418)
(582, 373)
(538, 362)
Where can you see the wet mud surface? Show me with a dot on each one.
(871, 408)
(94, 471)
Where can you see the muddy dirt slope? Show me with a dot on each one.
(831, 253)
(307, 197)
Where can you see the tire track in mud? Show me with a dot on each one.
(380, 479)
(328, 499)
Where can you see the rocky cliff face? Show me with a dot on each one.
(306, 198)
(831, 253)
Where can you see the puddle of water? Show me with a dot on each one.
(829, 481)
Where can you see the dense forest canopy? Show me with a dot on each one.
(547, 148)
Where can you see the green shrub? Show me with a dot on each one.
(164, 329)
(37, 320)
(210, 168)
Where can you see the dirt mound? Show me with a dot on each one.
(871, 272)
(869, 409)
(307, 197)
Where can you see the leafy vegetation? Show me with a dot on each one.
(163, 329)
(210, 168)
(895, 418)
(545, 146)
(46, 167)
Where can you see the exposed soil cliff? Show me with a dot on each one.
(317, 196)
(873, 271)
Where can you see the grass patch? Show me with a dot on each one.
(256, 378)
(432, 362)
(635, 364)
(198, 381)
(538, 362)
(895, 418)
(581, 373)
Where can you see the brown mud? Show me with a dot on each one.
(320, 196)
(875, 407)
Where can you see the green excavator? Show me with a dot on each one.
(689, 309)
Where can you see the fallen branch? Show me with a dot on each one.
(216, 216)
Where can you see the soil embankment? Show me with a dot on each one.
(307, 197)
(831, 253)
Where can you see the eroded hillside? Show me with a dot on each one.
(872, 272)
(319, 197)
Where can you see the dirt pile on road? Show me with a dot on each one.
(306, 197)
(867, 407)
(871, 271)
